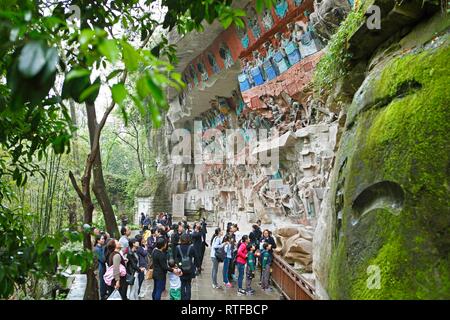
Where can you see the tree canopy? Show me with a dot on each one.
(53, 53)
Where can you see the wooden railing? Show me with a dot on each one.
(291, 284)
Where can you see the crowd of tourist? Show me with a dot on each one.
(164, 250)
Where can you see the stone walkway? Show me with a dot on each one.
(202, 288)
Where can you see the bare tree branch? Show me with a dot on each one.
(125, 141)
(75, 185)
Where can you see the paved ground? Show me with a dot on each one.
(202, 288)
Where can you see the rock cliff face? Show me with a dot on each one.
(383, 230)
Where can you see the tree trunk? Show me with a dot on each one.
(99, 187)
(73, 205)
(91, 292)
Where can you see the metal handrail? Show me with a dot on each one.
(299, 281)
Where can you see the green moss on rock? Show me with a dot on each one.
(403, 139)
(150, 186)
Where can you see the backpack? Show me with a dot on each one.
(220, 254)
(108, 277)
(186, 262)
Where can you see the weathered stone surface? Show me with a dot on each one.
(294, 244)
(299, 245)
(394, 17)
(306, 233)
(287, 231)
(388, 200)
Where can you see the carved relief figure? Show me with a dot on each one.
(225, 54)
(280, 55)
(267, 19)
(253, 22)
(276, 110)
(202, 70)
(243, 35)
(256, 72)
(240, 105)
(269, 70)
(213, 63)
(193, 74)
(281, 8)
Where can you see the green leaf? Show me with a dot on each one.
(90, 93)
(119, 93)
(156, 92)
(227, 22)
(131, 57)
(259, 6)
(142, 88)
(75, 83)
(156, 116)
(32, 59)
(109, 49)
(240, 23)
(269, 3)
(178, 78)
(239, 13)
(113, 74)
(86, 35)
(139, 105)
(77, 73)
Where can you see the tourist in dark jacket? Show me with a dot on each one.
(267, 237)
(196, 237)
(256, 235)
(253, 236)
(204, 231)
(160, 268)
(143, 262)
(133, 268)
(185, 249)
(175, 239)
(169, 219)
(99, 250)
(151, 241)
(147, 221)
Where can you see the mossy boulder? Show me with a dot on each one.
(393, 241)
(157, 188)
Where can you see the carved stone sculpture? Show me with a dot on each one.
(267, 19)
(294, 244)
(327, 16)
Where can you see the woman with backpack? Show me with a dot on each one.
(241, 260)
(228, 249)
(216, 243)
(115, 261)
(184, 258)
